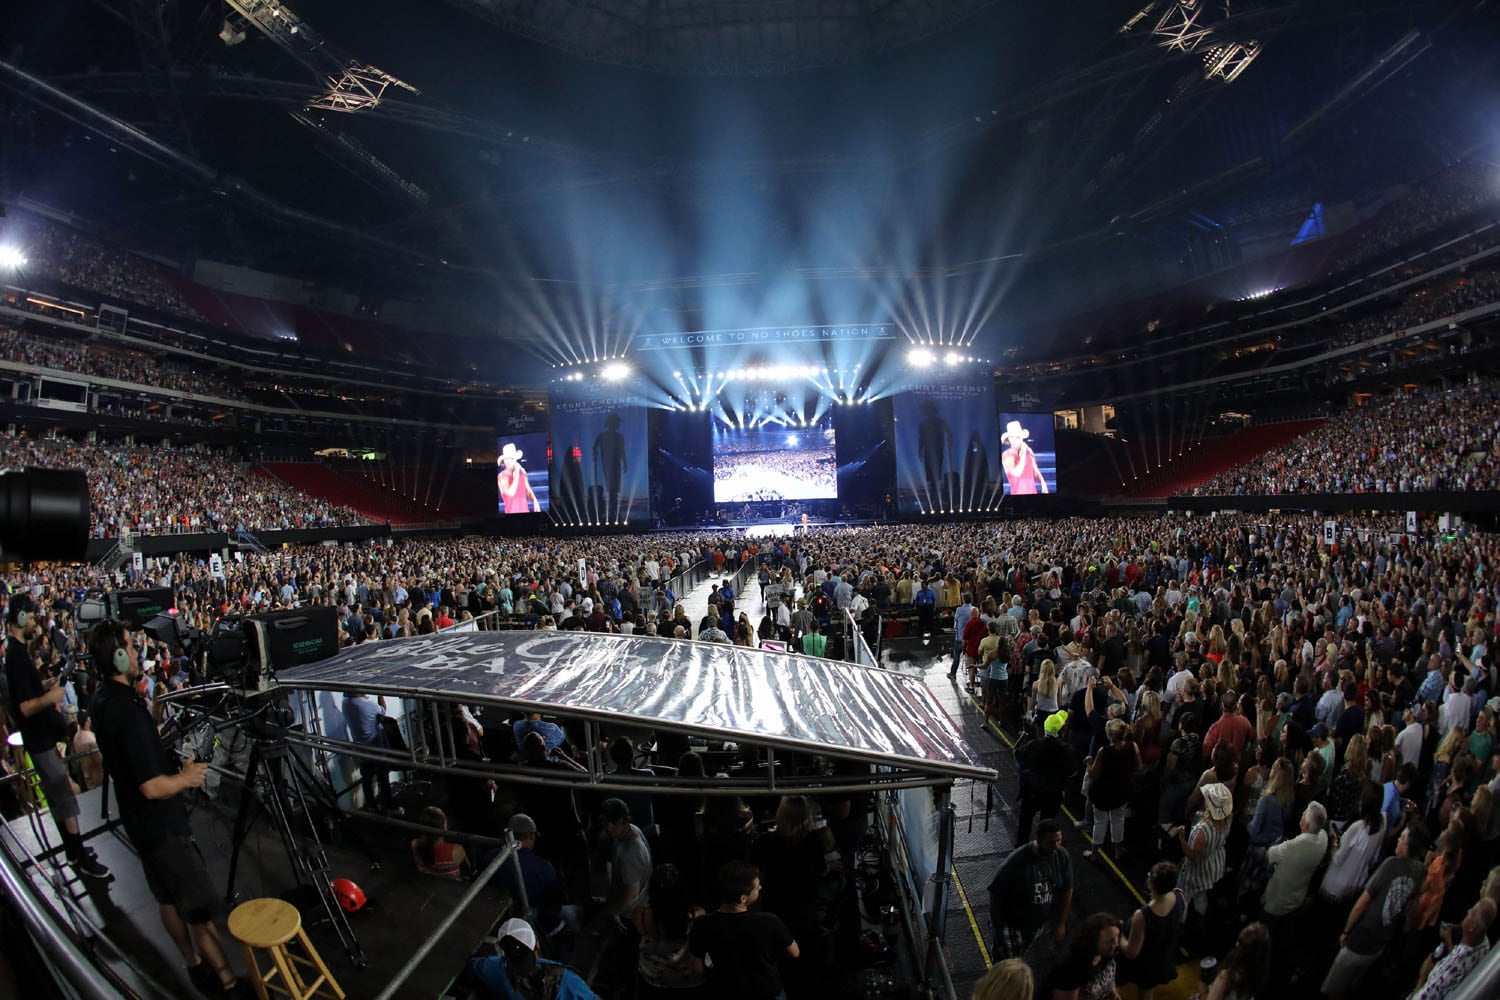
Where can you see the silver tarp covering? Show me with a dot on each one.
(730, 692)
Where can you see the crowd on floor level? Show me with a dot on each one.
(161, 490)
(1430, 438)
(1297, 740)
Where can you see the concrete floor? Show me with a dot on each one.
(402, 905)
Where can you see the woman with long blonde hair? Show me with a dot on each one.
(1044, 692)
(1343, 793)
(1275, 815)
(1147, 728)
(1007, 980)
(1217, 646)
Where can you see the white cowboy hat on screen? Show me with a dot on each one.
(1015, 432)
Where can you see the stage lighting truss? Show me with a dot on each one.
(1182, 27)
(352, 86)
(1185, 27)
(773, 373)
(1228, 61)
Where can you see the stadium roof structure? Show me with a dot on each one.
(698, 164)
(733, 693)
(724, 37)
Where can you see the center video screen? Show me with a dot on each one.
(775, 462)
(521, 473)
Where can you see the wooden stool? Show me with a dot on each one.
(270, 924)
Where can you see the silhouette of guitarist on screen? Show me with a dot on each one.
(934, 441)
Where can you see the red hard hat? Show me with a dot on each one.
(350, 896)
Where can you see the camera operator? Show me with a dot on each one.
(147, 784)
(37, 707)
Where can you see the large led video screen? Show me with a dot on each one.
(947, 447)
(775, 461)
(599, 468)
(521, 473)
(1028, 454)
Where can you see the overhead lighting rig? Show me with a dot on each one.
(351, 86)
(1186, 26)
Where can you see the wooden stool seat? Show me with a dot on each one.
(271, 924)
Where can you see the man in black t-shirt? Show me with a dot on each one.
(35, 705)
(740, 951)
(147, 783)
(1032, 891)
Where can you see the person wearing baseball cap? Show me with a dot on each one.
(518, 970)
(538, 876)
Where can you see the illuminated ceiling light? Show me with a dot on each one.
(11, 258)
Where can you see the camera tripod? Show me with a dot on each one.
(279, 782)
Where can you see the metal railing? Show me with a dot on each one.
(856, 647)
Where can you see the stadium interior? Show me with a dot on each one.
(670, 499)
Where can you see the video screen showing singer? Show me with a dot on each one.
(516, 494)
(1023, 475)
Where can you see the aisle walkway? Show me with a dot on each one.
(985, 825)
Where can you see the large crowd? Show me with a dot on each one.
(88, 263)
(1297, 739)
(1427, 439)
(124, 366)
(164, 490)
(1448, 197)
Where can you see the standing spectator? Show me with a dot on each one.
(518, 971)
(1232, 727)
(1203, 846)
(362, 714)
(1045, 765)
(666, 965)
(1153, 932)
(1379, 914)
(1032, 891)
(1112, 774)
(1007, 980)
(1088, 971)
(1454, 960)
(926, 604)
(742, 950)
(34, 703)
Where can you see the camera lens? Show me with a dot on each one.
(44, 514)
